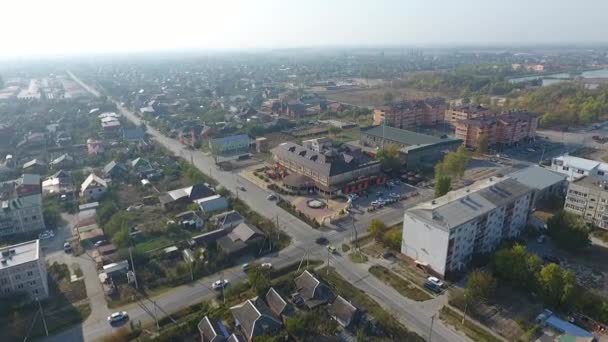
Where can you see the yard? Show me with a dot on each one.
(404, 287)
(473, 331)
(372, 97)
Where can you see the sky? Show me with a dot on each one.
(68, 27)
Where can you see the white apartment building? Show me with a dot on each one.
(575, 167)
(23, 270)
(21, 206)
(587, 197)
(447, 232)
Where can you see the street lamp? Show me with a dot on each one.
(466, 305)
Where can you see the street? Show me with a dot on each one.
(414, 315)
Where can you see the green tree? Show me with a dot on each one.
(377, 229)
(389, 157)
(105, 212)
(556, 284)
(442, 185)
(481, 286)
(454, 163)
(392, 239)
(568, 231)
(121, 238)
(517, 266)
(51, 212)
(259, 279)
(482, 145)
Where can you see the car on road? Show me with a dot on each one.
(242, 188)
(219, 284)
(245, 267)
(101, 243)
(435, 281)
(47, 234)
(322, 241)
(433, 287)
(271, 197)
(67, 247)
(117, 317)
(332, 249)
(266, 265)
(394, 195)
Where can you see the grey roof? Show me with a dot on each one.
(405, 137)
(537, 177)
(463, 205)
(276, 303)
(244, 232)
(212, 330)
(255, 318)
(236, 338)
(312, 290)
(227, 219)
(111, 165)
(343, 311)
(133, 133)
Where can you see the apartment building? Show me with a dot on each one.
(587, 197)
(23, 270)
(446, 233)
(505, 129)
(411, 113)
(21, 203)
(576, 167)
(466, 112)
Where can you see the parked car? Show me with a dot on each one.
(101, 243)
(271, 197)
(47, 234)
(266, 265)
(435, 281)
(219, 284)
(118, 317)
(67, 247)
(245, 267)
(322, 241)
(242, 188)
(432, 286)
(332, 249)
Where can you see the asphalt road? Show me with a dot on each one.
(414, 315)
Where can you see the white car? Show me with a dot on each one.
(271, 197)
(47, 234)
(435, 281)
(219, 284)
(266, 265)
(117, 317)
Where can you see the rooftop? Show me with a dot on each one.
(580, 163)
(405, 137)
(537, 177)
(19, 254)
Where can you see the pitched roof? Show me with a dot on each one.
(275, 302)
(244, 232)
(255, 318)
(93, 180)
(63, 158)
(231, 139)
(133, 133)
(227, 219)
(312, 290)
(34, 162)
(212, 330)
(193, 192)
(111, 165)
(343, 311)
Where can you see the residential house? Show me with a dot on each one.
(312, 291)
(62, 139)
(253, 318)
(547, 184)
(189, 219)
(503, 129)
(114, 170)
(212, 203)
(279, 307)
(466, 112)
(58, 183)
(345, 313)
(194, 134)
(241, 239)
(212, 330)
(136, 134)
(93, 188)
(587, 197)
(21, 203)
(32, 140)
(576, 167)
(183, 196)
(35, 166)
(95, 147)
(411, 113)
(64, 161)
(227, 220)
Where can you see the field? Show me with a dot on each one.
(375, 96)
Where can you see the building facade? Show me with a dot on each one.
(466, 112)
(505, 129)
(446, 233)
(21, 203)
(23, 270)
(410, 114)
(587, 197)
(575, 167)
(231, 145)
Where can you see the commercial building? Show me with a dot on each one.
(546, 183)
(231, 145)
(466, 112)
(23, 270)
(411, 113)
(21, 204)
(417, 150)
(330, 170)
(587, 197)
(504, 129)
(445, 233)
(575, 167)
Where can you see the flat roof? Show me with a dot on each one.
(579, 163)
(405, 137)
(537, 177)
(19, 254)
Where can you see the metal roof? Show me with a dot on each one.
(405, 137)
(537, 177)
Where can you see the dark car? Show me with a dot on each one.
(322, 241)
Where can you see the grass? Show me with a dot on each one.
(154, 243)
(601, 234)
(358, 257)
(404, 287)
(345, 248)
(470, 329)
(386, 321)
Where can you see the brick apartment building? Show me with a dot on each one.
(466, 112)
(505, 129)
(411, 113)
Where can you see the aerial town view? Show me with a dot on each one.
(268, 171)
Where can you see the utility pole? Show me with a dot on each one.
(431, 329)
(156, 316)
(46, 329)
(327, 261)
(223, 287)
(133, 266)
(466, 305)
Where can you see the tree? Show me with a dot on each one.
(481, 286)
(105, 212)
(392, 239)
(389, 157)
(482, 145)
(121, 238)
(568, 231)
(51, 212)
(517, 266)
(333, 130)
(556, 284)
(442, 185)
(259, 279)
(388, 97)
(377, 229)
(454, 163)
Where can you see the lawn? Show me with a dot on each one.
(358, 257)
(472, 330)
(404, 287)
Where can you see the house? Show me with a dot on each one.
(227, 220)
(136, 134)
(212, 330)
(62, 162)
(189, 219)
(93, 188)
(568, 331)
(277, 304)
(184, 195)
(236, 338)
(240, 239)
(95, 147)
(212, 203)
(35, 166)
(110, 125)
(192, 135)
(312, 291)
(62, 139)
(343, 312)
(253, 318)
(60, 182)
(114, 170)
(32, 140)
(231, 145)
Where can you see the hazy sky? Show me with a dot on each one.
(93, 26)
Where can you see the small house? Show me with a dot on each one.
(212, 203)
(93, 188)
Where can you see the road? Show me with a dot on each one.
(414, 315)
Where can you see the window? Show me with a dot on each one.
(4, 281)
(565, 168)
(32, 283)
(20, 286)
(600, 173)
(18, 276)
(35, 291)
(7, 290)
(581, 172)
(34, 217)
(98, 190)
(30, 273)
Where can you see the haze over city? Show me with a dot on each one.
(85, 27)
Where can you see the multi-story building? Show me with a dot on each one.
(447, 232)
(466, 112)
(21, 204)
(505, 129)
(576, 167)
(587, 197)
(329, 170)
(23, 270)
(411, 113)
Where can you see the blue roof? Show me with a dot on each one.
(231, 138)
(566, 327)
(133, 133)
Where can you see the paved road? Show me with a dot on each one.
(416, 316)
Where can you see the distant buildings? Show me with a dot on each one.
(528, 67)
(411, 113)
(417, 150)
(504, 129)
(21, 204)
(587, 197)
(23, 270)
(447, 232)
